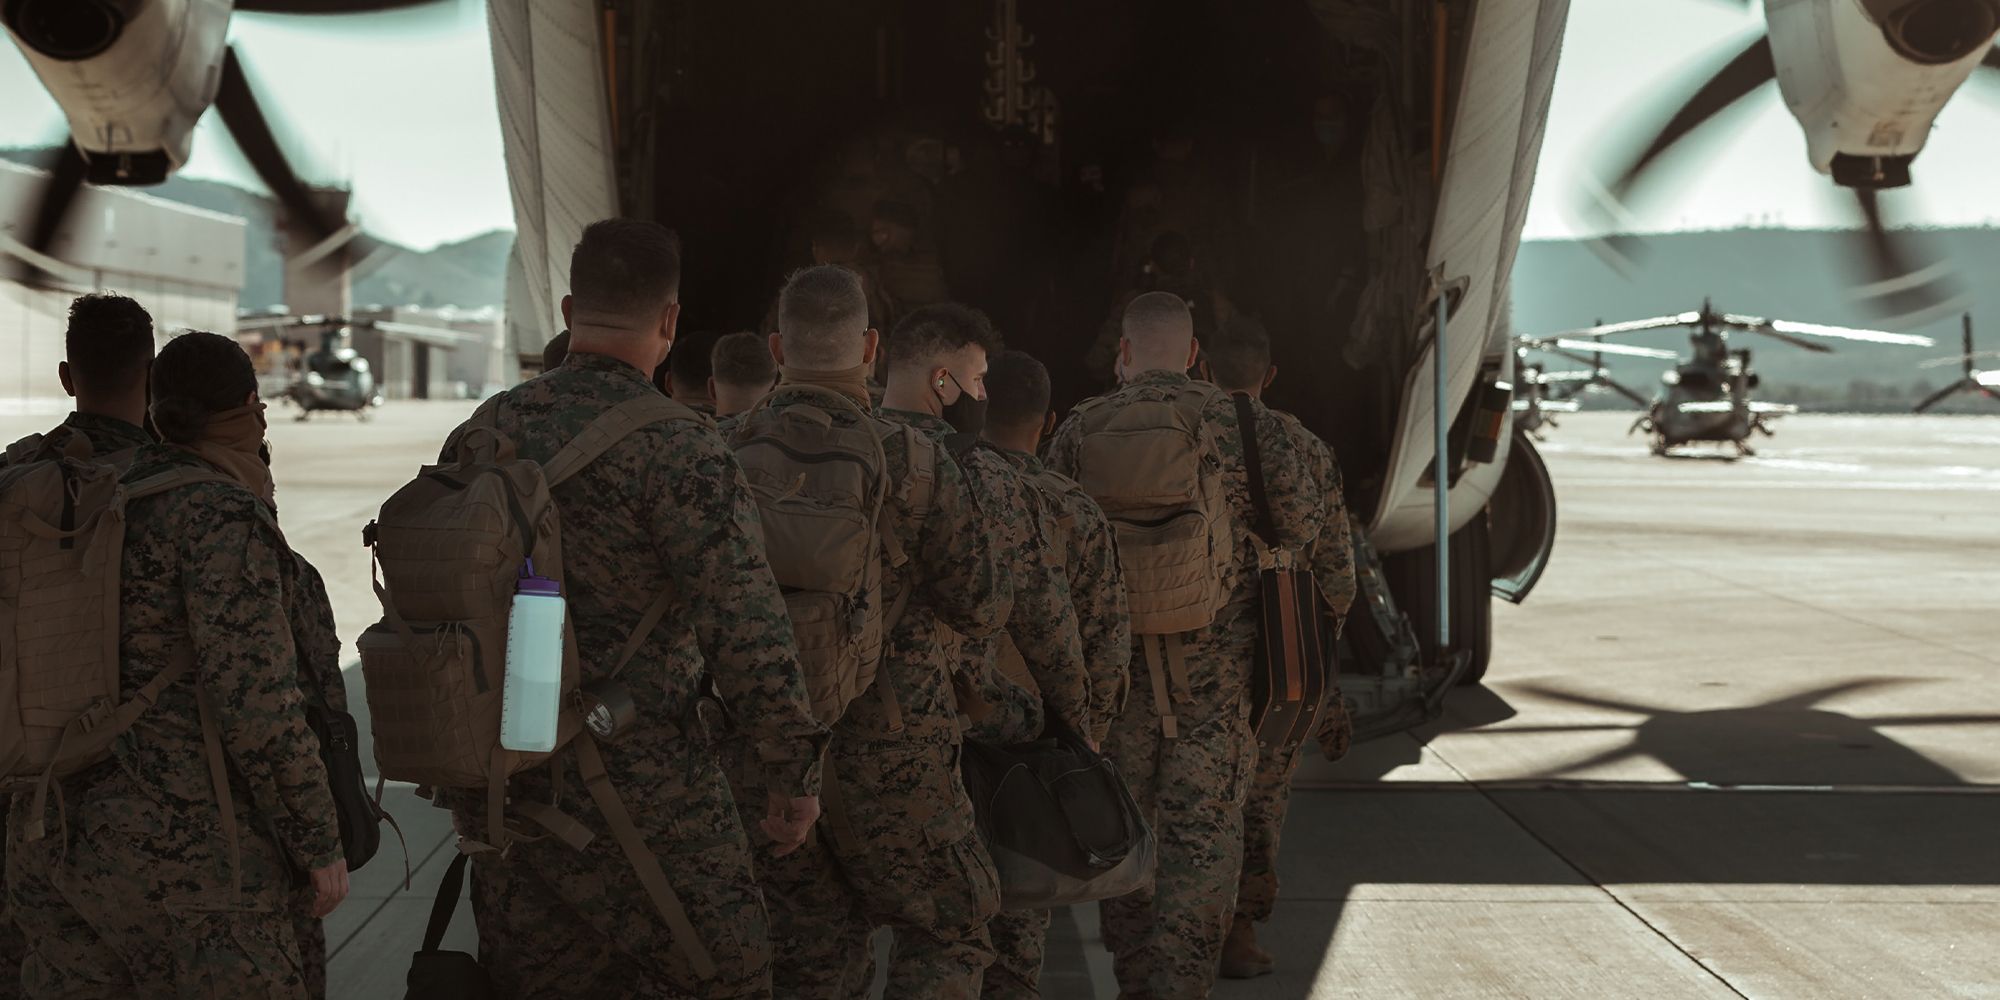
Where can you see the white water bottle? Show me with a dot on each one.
(531, 692)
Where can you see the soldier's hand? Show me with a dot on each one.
(329, 887)
(789, 821)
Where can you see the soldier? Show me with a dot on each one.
(1017, 415)
(741, 372)
(937, 369)
(110, 344)
(1187, 752)
(1239, 360)
(688, 371)
(146, 881)
(664, 510)
(899, 846)
(318, 645)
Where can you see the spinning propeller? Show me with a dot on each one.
(1805, 335)
(1596, 376)
(1985, 383)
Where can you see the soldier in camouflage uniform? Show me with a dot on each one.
(898, 846)
(318, 646)
(110, 338)
(1238, 359)
(937, 368)
(1018, 414)
(689, 369)
(1166, 941)
(664, 510)
(136, 887)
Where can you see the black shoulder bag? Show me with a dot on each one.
(447, 975)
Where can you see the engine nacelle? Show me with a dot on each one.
(1866, 78)
(132, 76)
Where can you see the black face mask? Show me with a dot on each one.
(968, 415)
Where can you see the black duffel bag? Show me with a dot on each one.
(1057, 820)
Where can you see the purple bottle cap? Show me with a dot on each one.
(529, 583)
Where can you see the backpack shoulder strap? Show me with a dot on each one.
(1253, 470)
(172, 479)
(26, 450)
(608, 429)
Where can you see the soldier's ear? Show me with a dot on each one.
(777, 343)
(871, 343)
(1049, 423)
(62, 373)
(1270, 376)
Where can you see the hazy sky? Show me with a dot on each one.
(410, 121)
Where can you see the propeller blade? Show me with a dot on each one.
(1835, 332)
(1633, 326)
(1989, 380)
(1622, 350)
(1614, 386)
(1965, 360)
(237, 103)
(329, 6)
(58, 197)
(1796, 341)
(1943, 394)
(1899, 291)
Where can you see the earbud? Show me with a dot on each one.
(940, 383)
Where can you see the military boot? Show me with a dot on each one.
(1241, 958)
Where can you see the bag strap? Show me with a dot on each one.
(608, 429)
(1253, 470)
(446, 902)
(218, 777)
(644, 862)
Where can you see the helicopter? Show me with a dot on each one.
(1539, 394)
(1708, 396)
(335, 376)
(1986, 383)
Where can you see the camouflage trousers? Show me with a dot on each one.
(895, 847)
(118, 902)
(1167, 940)
(1263, 820)
(1020, 939)
(13, 947)
(558, 922)
(311, 935)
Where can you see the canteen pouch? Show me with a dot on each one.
(447, 975)
(1057, 820)
(340, 750)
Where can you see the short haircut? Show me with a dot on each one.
(831, 229)
(932, 331)
(1017, 390)
(743, 360)
(555, 351)
(1238, 354)
(1158, 320)
(625, 267)
(822, 315)
(110, 342)
(687, 363)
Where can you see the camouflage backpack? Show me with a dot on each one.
(823, 493)
(62, 535)
(1145, 463)
(450, 546)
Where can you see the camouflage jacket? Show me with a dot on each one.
(314, 635)
(1331, 555)
(666, 510)
(204, 576)
(1084, 546)
(958, 584)
(106, 435)
(1041, 620)
(1297, 512)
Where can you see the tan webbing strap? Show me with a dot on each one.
(1156, 668)
(644, 861)
(885, 692)
(564, 827)
(648, 621)
(91, 732)
(1177, 672)
(606, 430)
(218, 776)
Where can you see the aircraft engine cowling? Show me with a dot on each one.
(132, 76)
(1866, 78)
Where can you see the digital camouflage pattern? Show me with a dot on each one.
(132, 887)
(896, 845)
(1331, 559)
(107, 435)
(1167, 941)
(1083, 544)
(664, 510)
(317, 643)
(1041, 621)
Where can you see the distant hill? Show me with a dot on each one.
(470, 273)
(1788, 274)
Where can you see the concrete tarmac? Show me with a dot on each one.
(1741, 741)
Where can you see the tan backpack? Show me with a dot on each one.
(1146, 463)
(450, 546)
(62, 545)
(823, 492)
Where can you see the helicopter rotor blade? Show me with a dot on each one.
(1615, 386)
(1629, 326)
(1621, 350)
(1905, 287)
(236, 100)
(335, 7)
(58, 198)
(1945, 393)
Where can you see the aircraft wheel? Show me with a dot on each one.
(1413, 579)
